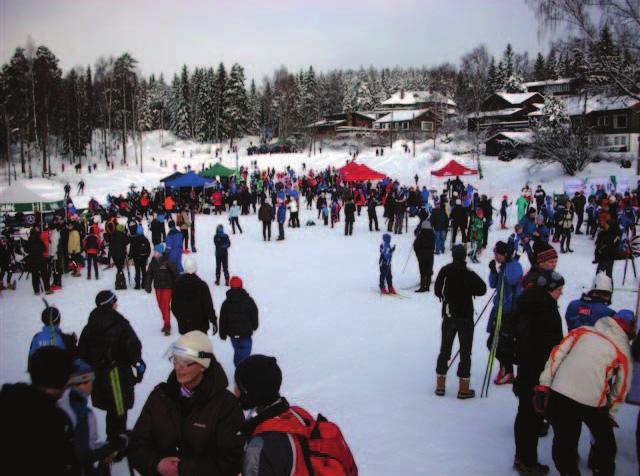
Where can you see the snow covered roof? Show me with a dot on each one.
(516, 98)
(574, 105)
(548, 82)
(500, 112)
(402, 115)
(325, 123)
(518, 137)
(370, 115)
(416, 97)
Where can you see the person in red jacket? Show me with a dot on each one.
(91, 247)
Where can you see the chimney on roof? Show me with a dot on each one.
(401, 93)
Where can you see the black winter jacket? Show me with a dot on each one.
(37, 436)
(238, 314)
(162, 273)
(118, 246)
(139, 247)
(350, 211)
(192, 305)
(157, 228)
(456, 285)
(203, 431)
(107, 342)
(538, 329)
(439, 220)
(424, 244)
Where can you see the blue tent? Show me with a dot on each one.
(190, 179)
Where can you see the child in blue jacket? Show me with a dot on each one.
(386, 254)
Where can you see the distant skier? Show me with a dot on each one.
(222, 243)
(386, 254)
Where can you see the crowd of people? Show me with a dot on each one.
(191, 424)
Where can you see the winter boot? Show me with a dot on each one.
(391, 290)
(218, 281)
(503, 377)
(384, 291)
(12, 286)
(166, 330)
(441, 381)
(226, 281)
(464, 392)
(533, 470)
(422, 288)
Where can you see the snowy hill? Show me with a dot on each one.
(365, 361)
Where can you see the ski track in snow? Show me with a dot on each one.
(366, 362)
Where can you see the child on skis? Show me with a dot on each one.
(386, 254)
(476, 234)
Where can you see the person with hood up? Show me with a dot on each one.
(173, 248)
(456, 286)
(282, 217)
(110, 346)
(592, 306)
(162, 274)
(190, 424)
(139, 251)
(266, 215)
(191, 302)
(238, 320)
(222, 244)
(459, 220)
(386, 255)
(585, 380)
(424, 247)
(349, 217)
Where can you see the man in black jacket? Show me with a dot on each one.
(538, 329)
(349, 216)
(579, 203)
(112, 348)
(238, 320)
(459, 221)
(158, 231)
(456, 285)
(191, 301)
(118, 248)
(266, 215)
(372, 203)
(139, 250)
(424, 246)
(37, 436)
(606, 248)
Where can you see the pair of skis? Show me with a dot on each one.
(486, 381)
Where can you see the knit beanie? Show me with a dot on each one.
(82, 372)
(159, 248)
(544, 253)
(235, 282)
(194, 346)
(190, 266)
(258, 378)
(459, 253)
(50, 367)
(501, 248)
(550, 280)
(50, 315)
(106, 298)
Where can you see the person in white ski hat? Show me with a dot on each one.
(592, 305)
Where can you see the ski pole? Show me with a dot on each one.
(453, 359)
(407, 262)
(486, 381)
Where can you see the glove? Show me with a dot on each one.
(540, 398)
(492, 266)
(140, 368)
(120, 443)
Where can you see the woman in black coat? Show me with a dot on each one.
(191, 302)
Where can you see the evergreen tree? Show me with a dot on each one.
(238, 106)
(309, 97)
(363, 98)
(493, 83)
(181, 123)
(220, 103)
(253, 109)
(539, 69)
(551, 65)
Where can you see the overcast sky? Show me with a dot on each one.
(263, 34)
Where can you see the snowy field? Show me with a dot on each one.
(365, 361)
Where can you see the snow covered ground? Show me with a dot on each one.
(365, 361)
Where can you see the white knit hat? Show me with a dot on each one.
(194, 346)
(602, 282)
(190, 266)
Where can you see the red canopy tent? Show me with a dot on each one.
(353, 172)
(453, 169)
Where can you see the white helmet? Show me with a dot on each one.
(602, 282)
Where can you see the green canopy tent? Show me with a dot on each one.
(218, 170)
(18, 198)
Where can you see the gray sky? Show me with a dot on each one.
(263, 34)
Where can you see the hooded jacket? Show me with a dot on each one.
(203, 430)
(586, 360)
(586, 311)
(161, 273)
(238, 314)
(456, 286)
(107, 342)
(174, 247)
(221, 241)
(192, 305)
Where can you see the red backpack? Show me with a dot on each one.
(320, 448)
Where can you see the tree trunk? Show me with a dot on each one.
(22, 162)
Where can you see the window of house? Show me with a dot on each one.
(426, 126)
(397, 125)
(603, 121)
(620, 121)
(405, 125)
(620, 140)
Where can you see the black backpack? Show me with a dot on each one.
(121, 282)
(144, 249)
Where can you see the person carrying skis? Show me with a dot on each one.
(585, 380)
(162, 274)
(456, 286)
(506, 282)
(386, 255)
(238, 320)
(110, 346)
(538, 328)
(222, 244)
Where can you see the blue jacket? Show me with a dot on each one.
(511, 273)
(424, 195)
(282, 213)
(222, 242)
(528, 226)
(386, 250)
(586, 311)
(45, 338)
(173, 248)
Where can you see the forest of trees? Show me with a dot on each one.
(92, 109)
